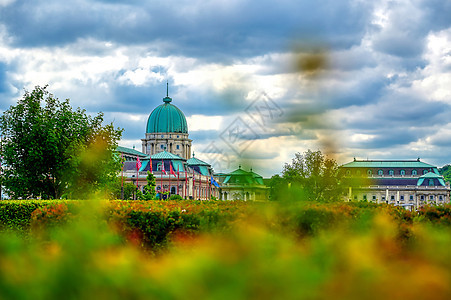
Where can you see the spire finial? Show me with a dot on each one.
(167, 99)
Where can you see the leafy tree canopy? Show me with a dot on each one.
(115, 187)
(315, 176)
(50, 150)
(446, 172)
(149, 188)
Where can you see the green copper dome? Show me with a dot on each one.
(167, 118)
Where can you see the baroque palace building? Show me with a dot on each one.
(166, 152)
(408, 183)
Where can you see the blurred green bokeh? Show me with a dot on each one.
(227, 250)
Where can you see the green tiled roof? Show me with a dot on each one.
(144, 164)
(431, 175)
(130, 151)
(240, 176)
(193, 161)
(387, 164)
(167, 118)
(178, 165)
(165, 155)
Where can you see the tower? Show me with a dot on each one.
(167, 130)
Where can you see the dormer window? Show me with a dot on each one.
(425, 172)
(414, 172)
(391, 172)
(380, 172)
(369, 172)
(402, 172)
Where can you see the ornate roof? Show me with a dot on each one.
(387, 164)
(241, 177)
(166, 155)
(167, 118)
(431, 175)
(130, 151)
(193, 161)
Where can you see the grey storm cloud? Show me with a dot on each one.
(399, 110)
(213, 29)
(3, 78)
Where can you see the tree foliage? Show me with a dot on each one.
(51, 151)
(317, 176)
(276, 185)
(446, 172)
(149, 188)
(115, 186)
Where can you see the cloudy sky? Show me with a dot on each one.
(257, 80)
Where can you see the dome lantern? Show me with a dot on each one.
(167, 118)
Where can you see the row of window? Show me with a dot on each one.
(369, 172)
(401, 198)
(162, 136)
(176, 146)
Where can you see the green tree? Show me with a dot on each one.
(149, 188)
(114, 189)
(52, 151)
(317, 176)
(446, 172)
(276, 185)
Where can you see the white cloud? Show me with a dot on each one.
(435, 79)
(202, 122)
(6, 2)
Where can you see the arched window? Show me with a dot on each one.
(425, 172)
(391, 172)
(348, 172)
(159, 166)
(369, 172)
(380, 172)
(414, 172)
(402, 172)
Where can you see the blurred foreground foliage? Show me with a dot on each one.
(222, 250)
